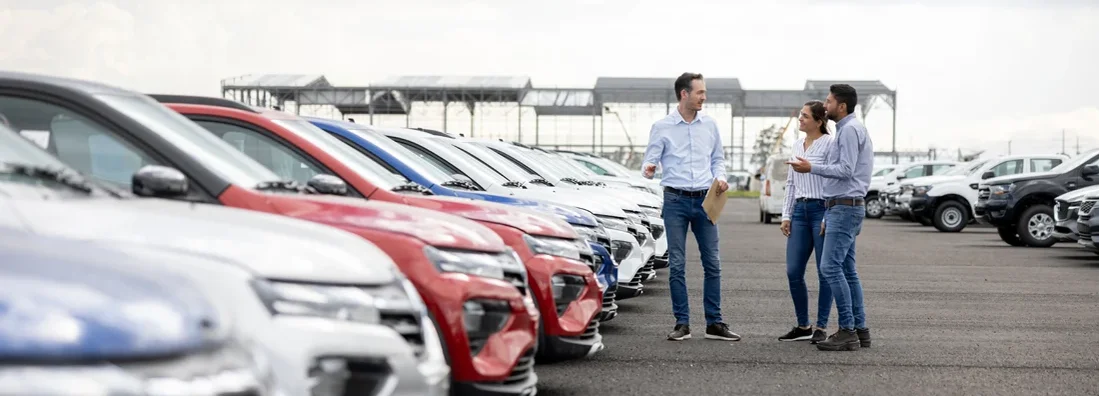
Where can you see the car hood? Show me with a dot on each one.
(570, 215)
(70, 300)
(1079, 194)
(598, 207)
(441, 228)
(529, 221)
(1022, 177)
(927, 180)
(269, 245)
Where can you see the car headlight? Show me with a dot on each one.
(570, 249)
(920, 190)
(1001, 189)
(591, 234)
(613, 223)
(349, 303)
(477, 264)
(651, 211)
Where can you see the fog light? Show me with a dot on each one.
(566, 289)
(483, 318)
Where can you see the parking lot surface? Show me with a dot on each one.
(960, 313)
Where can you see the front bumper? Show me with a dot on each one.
(994, 212)
(375, 359)
(922, 206)
(607, 275)
(660, 234)
(629, 281)
(566, 334)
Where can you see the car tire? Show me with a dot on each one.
(761, 215)
(1035, 226)
(951, 216)
(874, 208)
(904, 216)
(1007, 234)
(766, 218)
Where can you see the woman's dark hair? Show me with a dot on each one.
(816, 109)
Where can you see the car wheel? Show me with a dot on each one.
(1007, 234)
(1035, 226)
(766, 218)
(951, 216)
(761, 215)
(874, 209)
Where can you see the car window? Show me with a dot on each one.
(941, 168)
(915, 171)
(1043, 164)
(278, 158)
(595, 168)
(432, 159)
(882, 172)
(495, 175)
(1008, 168)
(85, 145)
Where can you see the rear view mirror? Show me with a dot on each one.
(328, 184)
(987, 175)
(159, 181)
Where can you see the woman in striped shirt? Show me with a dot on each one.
(802, 214)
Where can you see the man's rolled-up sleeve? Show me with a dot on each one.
(655, 149)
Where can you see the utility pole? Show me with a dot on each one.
(1077, 144)
(1008, 147)
(1062, 140)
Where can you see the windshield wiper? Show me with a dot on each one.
(284, 185)
(412, 186)
(571, 181)
(460, 184)
(58, 175)
(515, 184)
(541, 181)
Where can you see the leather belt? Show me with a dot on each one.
(804, 199)
(685, 193)
(845, 201)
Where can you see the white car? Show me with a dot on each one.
(948, 201)
(772, 195)
(607, 168)
(883, 190)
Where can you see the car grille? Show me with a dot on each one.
(407, 324)
(637, 235)
(1060, 211)
(1083, 227)
(592, 261)
(608, 298)
(606, 242)
(1085, 208)
(523, 369)
(516, 279)
(983, 193)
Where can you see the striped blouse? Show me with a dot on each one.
(805, 185)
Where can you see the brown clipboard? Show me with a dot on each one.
(714, 202)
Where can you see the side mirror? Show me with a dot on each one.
(328, 184)
(987, 175)
(1090, 170)
(159, 181)
(901, 177)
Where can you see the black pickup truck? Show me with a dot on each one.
(1021, 206)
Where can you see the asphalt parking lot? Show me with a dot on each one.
(956, 313)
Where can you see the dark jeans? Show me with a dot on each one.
(804, 239)
(842, 224)
(679, 213)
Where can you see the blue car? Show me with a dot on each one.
(74, 322)
(391, 156)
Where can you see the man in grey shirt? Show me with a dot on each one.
(846, 167)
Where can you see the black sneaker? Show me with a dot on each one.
(864, 337)
(681, 332)
(797, 334)
(842, 340)
(818, 336)
(720, 331)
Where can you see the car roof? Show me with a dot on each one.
(89, 87)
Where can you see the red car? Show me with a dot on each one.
(459, 267)
(565, 289)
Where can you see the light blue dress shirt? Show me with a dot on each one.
(848, 164)
(689, 154)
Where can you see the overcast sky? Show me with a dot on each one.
(968, 72)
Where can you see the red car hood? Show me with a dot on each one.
(528, 221)
(434, 228)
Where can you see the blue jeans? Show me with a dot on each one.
(842, 224)
(804, 239)
(679, 213)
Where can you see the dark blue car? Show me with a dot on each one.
(400, 161)
(75, 322)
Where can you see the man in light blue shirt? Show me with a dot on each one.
(687, 146)
(847, 167)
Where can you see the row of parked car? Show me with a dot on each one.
(203, 246)
(1034, 200)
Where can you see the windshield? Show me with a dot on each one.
(559, 169)
(883, 171)
(213, 153)
(18, 150)
(360, 164)
(966, 171)
(618, 169)
(494, 161)
(473, 165)
(1075, 161)
(403, 155)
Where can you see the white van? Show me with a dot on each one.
(772, 193)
